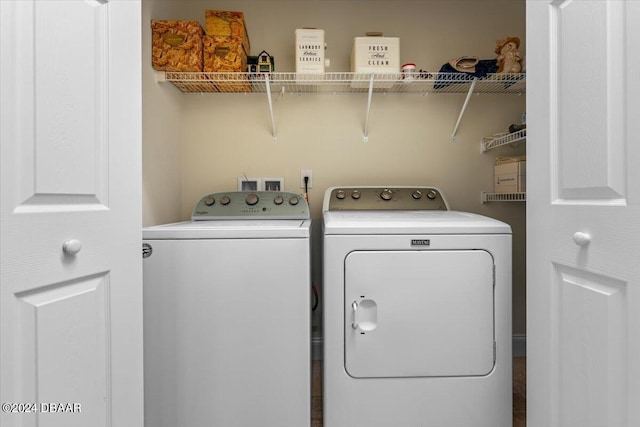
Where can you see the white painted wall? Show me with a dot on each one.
(200, 143)
(162, 111)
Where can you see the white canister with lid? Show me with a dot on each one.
(408, 71)
(310, 49)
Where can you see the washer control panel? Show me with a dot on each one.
(386, 198)
(251, 205)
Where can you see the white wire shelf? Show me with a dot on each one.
(335, 83)
(503, 197)
(489, 143)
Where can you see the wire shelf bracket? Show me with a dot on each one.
(464, 107)
(365, 137)
(270, 101)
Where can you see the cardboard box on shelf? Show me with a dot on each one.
(176, 45)
(229, 24)
(223, 54)
(511, 177)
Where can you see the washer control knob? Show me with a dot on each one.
(209, 200)
(252, 199)
(355, 195)
(432, 194)
(225, 200)
(294, 200)
(278, 200)
(386, 194)
(340, 194)
(417, 195)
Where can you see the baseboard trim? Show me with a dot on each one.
(316, 348)
(518, 344)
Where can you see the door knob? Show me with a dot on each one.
(72, 247)
(581, 238)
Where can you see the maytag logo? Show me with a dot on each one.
(420, 242)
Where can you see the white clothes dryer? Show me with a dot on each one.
(227, 314)
(417, 311)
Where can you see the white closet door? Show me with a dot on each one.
(71, 289)
(583, 213)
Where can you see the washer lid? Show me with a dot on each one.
(230, 229)
(410, 222)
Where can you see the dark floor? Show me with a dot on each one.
(519, 393)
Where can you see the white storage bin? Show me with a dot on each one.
(310, 51)
(375, 55)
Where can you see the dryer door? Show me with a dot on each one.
(419, 313)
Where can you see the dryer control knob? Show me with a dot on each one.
(293, 201)
(209, 201)
(278, 200)
(432, 194)
(340, 194)
(252, 199)
(417, 195)
(225, 200)
(355, 195)
(386, 194)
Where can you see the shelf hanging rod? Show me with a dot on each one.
(366, 123)
(464, 107)
(273, 122)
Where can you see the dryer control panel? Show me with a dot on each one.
(385, 198)
(251, 205)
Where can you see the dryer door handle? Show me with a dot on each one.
(354, 309)
(367, 312)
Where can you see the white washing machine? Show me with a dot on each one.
(227, 314)
(417, 311)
